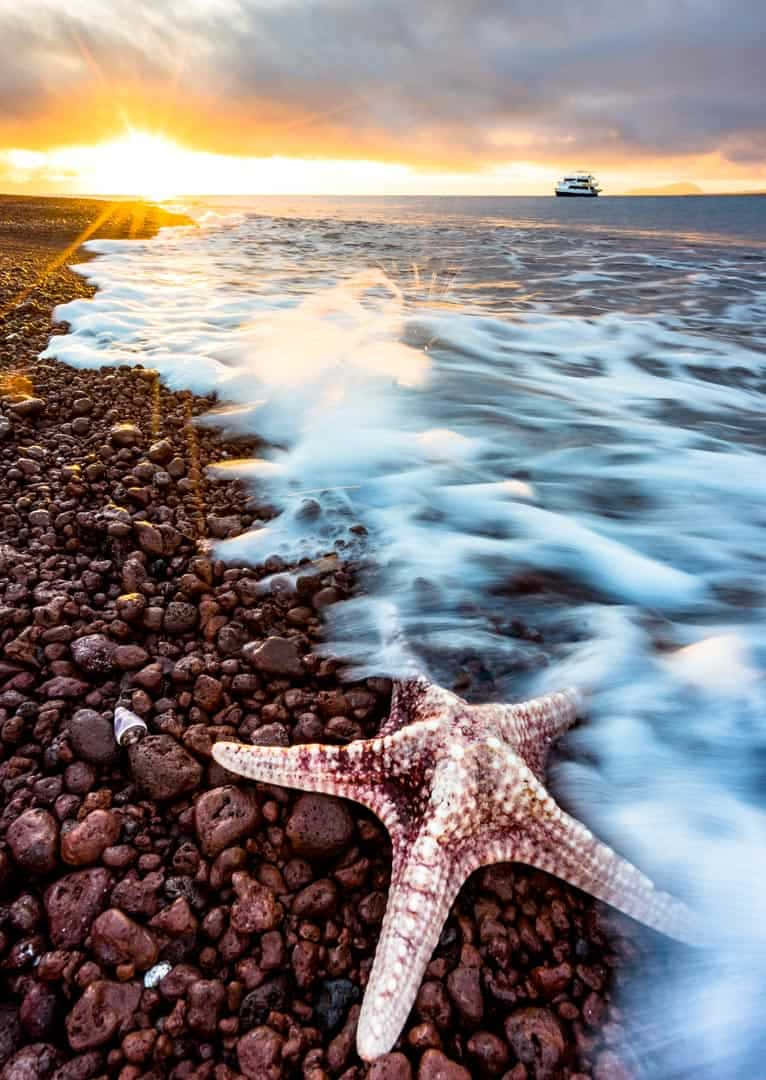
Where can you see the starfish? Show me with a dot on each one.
(458, 787)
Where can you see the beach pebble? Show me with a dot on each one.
(37, 1011)
(94, 653)
(536, 1038)
(92, 737)
(490, 1052)
(390, 1067)
(64, 686)
(434, 1065)
(259, 1053)
(464, 988)
(317, 900)
(28, 407)
(72, 904)
(222, 815)
(256, 908)
(124, 434)
(85, 842)
(117, 939)
(205, 1000)
(100, 1011)
(208, 693)
(160, 452)
(163, 768)
(274, 656)
(319, 826)
(180, 617)
(34, 1062)
(33, 840)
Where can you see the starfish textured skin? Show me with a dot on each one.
(458, 787)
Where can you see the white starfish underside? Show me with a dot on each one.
(458, 786)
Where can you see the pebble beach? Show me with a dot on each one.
(159, 917)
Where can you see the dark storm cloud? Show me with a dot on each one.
(468, 76)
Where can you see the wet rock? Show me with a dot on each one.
(130, 657)
(222, 815)
(434, 1065)
(271, 996)
(319, 826)
(28, 407)
(256, 908)
(536, 1038)
(180, 617)
(94, 653)
(37, 1014)
(432, 1003)
(117, 939)
(35, 1062)
(163, 768)
(160, 452)
(92, 737)
(130, 606)
(72, 903)
(10, 1031)
(275, 656)
(336, 996)
(464, 989)
(208, 693)
(490, 1052)
(64, 686)
(149, 538)
(88, 839)
(552, 980)
(317, 900)
(259, 1053)
(204, 1005)
(33, 840)
(100, 1012)
(390, 1067)
(125, 434)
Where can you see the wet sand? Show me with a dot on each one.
(111, 863)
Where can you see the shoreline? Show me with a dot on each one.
(104, 501)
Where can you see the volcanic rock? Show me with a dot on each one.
(319, 826)
(259, 1053)
(87, 840)
(180, 617)
(33, 840)
(536, 1038)
(116, 939)
(124, 435)
(92, 737)
(274, 656)
(94, 653)
(72, 904)
(100, 1011)
(163, 768)
(223, 815)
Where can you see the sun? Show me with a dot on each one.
(138, 163)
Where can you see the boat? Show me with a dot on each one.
(580, 184)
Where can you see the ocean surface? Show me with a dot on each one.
(539, 427)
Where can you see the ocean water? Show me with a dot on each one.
(548, 417)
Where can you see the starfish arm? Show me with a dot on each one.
(532, 726)
(551, 840)
(423, 886)
(347, 771)
(416, 699)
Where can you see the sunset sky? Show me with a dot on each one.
(379, 96)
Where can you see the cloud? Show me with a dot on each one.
(452, 84)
